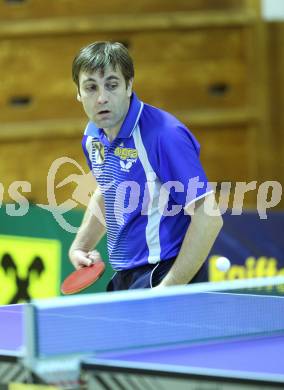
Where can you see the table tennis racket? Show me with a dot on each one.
(82, 278)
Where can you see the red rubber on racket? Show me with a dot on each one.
(82, 278)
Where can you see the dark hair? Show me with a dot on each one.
(99, 55)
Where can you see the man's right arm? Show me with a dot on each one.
(92, 229)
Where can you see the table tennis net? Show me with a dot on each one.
(94, 325)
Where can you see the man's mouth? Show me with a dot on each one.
(103, 112)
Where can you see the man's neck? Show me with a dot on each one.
(111, 134)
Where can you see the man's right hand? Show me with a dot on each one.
(80, 258)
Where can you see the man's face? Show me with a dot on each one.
(105, 97)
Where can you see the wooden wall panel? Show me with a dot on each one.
(224, 149)
(275, 153)
(65, 8)
(206, 67)
(31, 161)
(276, 91)
(196, 68)
(228, 155)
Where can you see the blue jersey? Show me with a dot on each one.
(147, 175)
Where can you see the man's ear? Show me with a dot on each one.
(129, 87)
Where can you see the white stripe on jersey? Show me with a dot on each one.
(154, 216)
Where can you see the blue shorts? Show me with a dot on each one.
(148, 276)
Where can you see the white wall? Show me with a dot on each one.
(273, 9)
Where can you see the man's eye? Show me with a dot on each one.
(111, 86)
(91, 88)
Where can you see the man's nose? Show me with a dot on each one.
(102, 96)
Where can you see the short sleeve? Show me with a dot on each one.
(86, 146)
(180, 168)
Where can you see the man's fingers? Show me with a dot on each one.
(82, 259)
(84, 263)
(94, 256)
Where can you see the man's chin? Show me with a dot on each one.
(103, 123)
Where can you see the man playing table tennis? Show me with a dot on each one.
(151, 185)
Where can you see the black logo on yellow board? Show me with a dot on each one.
(22, 283)
(30, 268)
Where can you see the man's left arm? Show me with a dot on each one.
(198, 241)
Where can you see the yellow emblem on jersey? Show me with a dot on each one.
(125, 153)
(99, 152)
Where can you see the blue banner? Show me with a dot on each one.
(254, 246)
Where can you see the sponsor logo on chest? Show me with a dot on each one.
(127, 157)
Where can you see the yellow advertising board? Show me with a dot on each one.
(22, 386)
(29, 268)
